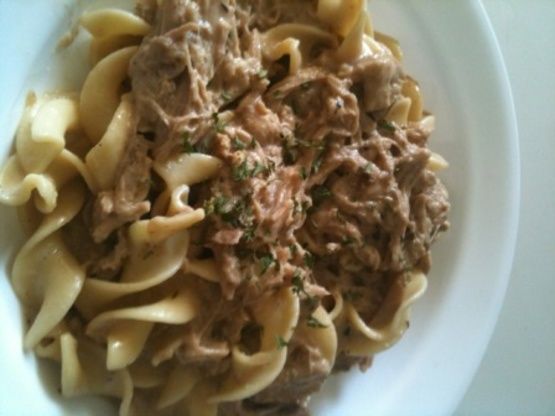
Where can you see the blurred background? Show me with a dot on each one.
(517, 374)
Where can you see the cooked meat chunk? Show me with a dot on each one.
(127, 201)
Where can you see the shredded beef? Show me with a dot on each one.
(315, 183)
(127, 201)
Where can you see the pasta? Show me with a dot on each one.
(238, 202)
(100, 94)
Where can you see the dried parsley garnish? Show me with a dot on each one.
(263, 73)
(297, 283)
(241, 172)
(297, 207)
(319, 193)
(237, 144)
(258, 168)
(248, 233)
(219, 125)
(266, 261)
(309, 259)
(386, 125)
(313, 322)
(216, 205)
(239, 216)
(226, 96)
(317, 163)
(186, 144)
(368, 167)
(281, 343)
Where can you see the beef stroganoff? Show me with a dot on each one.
(239, 202)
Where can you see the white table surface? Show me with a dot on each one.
(517, 374)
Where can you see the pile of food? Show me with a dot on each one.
(239, 202)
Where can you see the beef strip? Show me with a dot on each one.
(127, 201)
(102, 261)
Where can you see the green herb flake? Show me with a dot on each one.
(226, 97)
(293, 249)
(186, 144)
(263, 73)
(258, 168)
(304, 174)
(297, 283)
(248, 234)
(230, 217)
(368, 167)
(297, 207)
(237, 144)
(220, 203)
(313, 322)
(310, 144)
(317, 162)
(346, 240)
(238, 216)
(386, 125)
(266, 262)
(219, 125)
(215, 205)
(281, 343)
(309, 259)
(319, 193)
(241, 172)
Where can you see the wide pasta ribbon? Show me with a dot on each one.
(84, 372)
(112, 29)
(127, 329)
(390, 321)
(278, 314)
(296, 41)
(100, 96)
(45, 275)
(41, 163)
(147, 267)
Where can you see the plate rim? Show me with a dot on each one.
(509, 245)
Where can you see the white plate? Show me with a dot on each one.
(451, 49)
